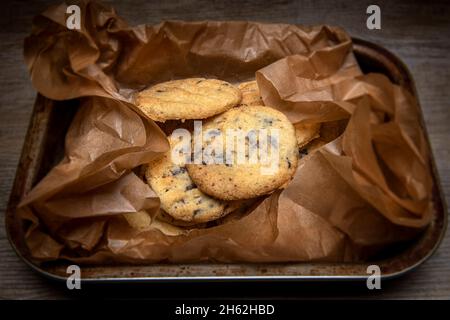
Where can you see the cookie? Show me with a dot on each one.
(167, 218)
(167, 228)
(328, 132)
(140, 220)
(250, 94)
(237, 177)
(231, 208)
(306, 132)
(179, 196)
(195, 98)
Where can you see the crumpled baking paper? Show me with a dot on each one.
(358, 194)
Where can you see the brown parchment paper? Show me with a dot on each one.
(359, 193)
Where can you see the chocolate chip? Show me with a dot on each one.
(178, 170)
(289, 163)
(268, 121)
(197, 211)
(213, 133)
(273, 141)
(190, 187)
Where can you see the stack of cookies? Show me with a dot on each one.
(195, 192)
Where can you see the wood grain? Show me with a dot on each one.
(419, 33)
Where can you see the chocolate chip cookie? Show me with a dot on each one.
(178, 194)
(258, 160)
(306, 132)
(194, 98)
(250, 94)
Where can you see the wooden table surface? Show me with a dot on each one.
(419, 33)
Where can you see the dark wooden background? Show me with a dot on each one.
(418, 32)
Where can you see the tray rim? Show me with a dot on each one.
(391, 58)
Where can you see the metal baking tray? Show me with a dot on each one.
(44, 147)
